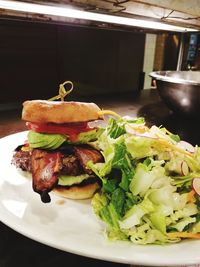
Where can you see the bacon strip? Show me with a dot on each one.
(85, 154)
(45, 171)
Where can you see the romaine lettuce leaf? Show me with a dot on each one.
(99, 201)
(158, 221)
(118, 201)
(144, 178)
(114, 128)
(105, 210)
(139, 147)
(134, 215)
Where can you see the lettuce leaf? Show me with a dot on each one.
(139, 147)
(134, 215)
(144, 177)
(114, 128)
(118, 201)
(158, 221)
(105, 210)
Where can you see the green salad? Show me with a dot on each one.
(150, 183)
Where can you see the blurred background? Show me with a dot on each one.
(38, 52)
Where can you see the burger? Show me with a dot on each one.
(58, 148)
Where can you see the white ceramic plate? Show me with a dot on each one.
(72, 226)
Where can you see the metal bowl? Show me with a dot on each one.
(180, 90)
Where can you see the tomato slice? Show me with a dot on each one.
(70, 129)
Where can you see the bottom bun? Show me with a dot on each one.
(77, 192)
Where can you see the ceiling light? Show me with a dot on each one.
(79, 14)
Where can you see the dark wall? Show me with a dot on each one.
(171, 51)
(35, 58)
(28, 60)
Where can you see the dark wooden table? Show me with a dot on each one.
(17, 250)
